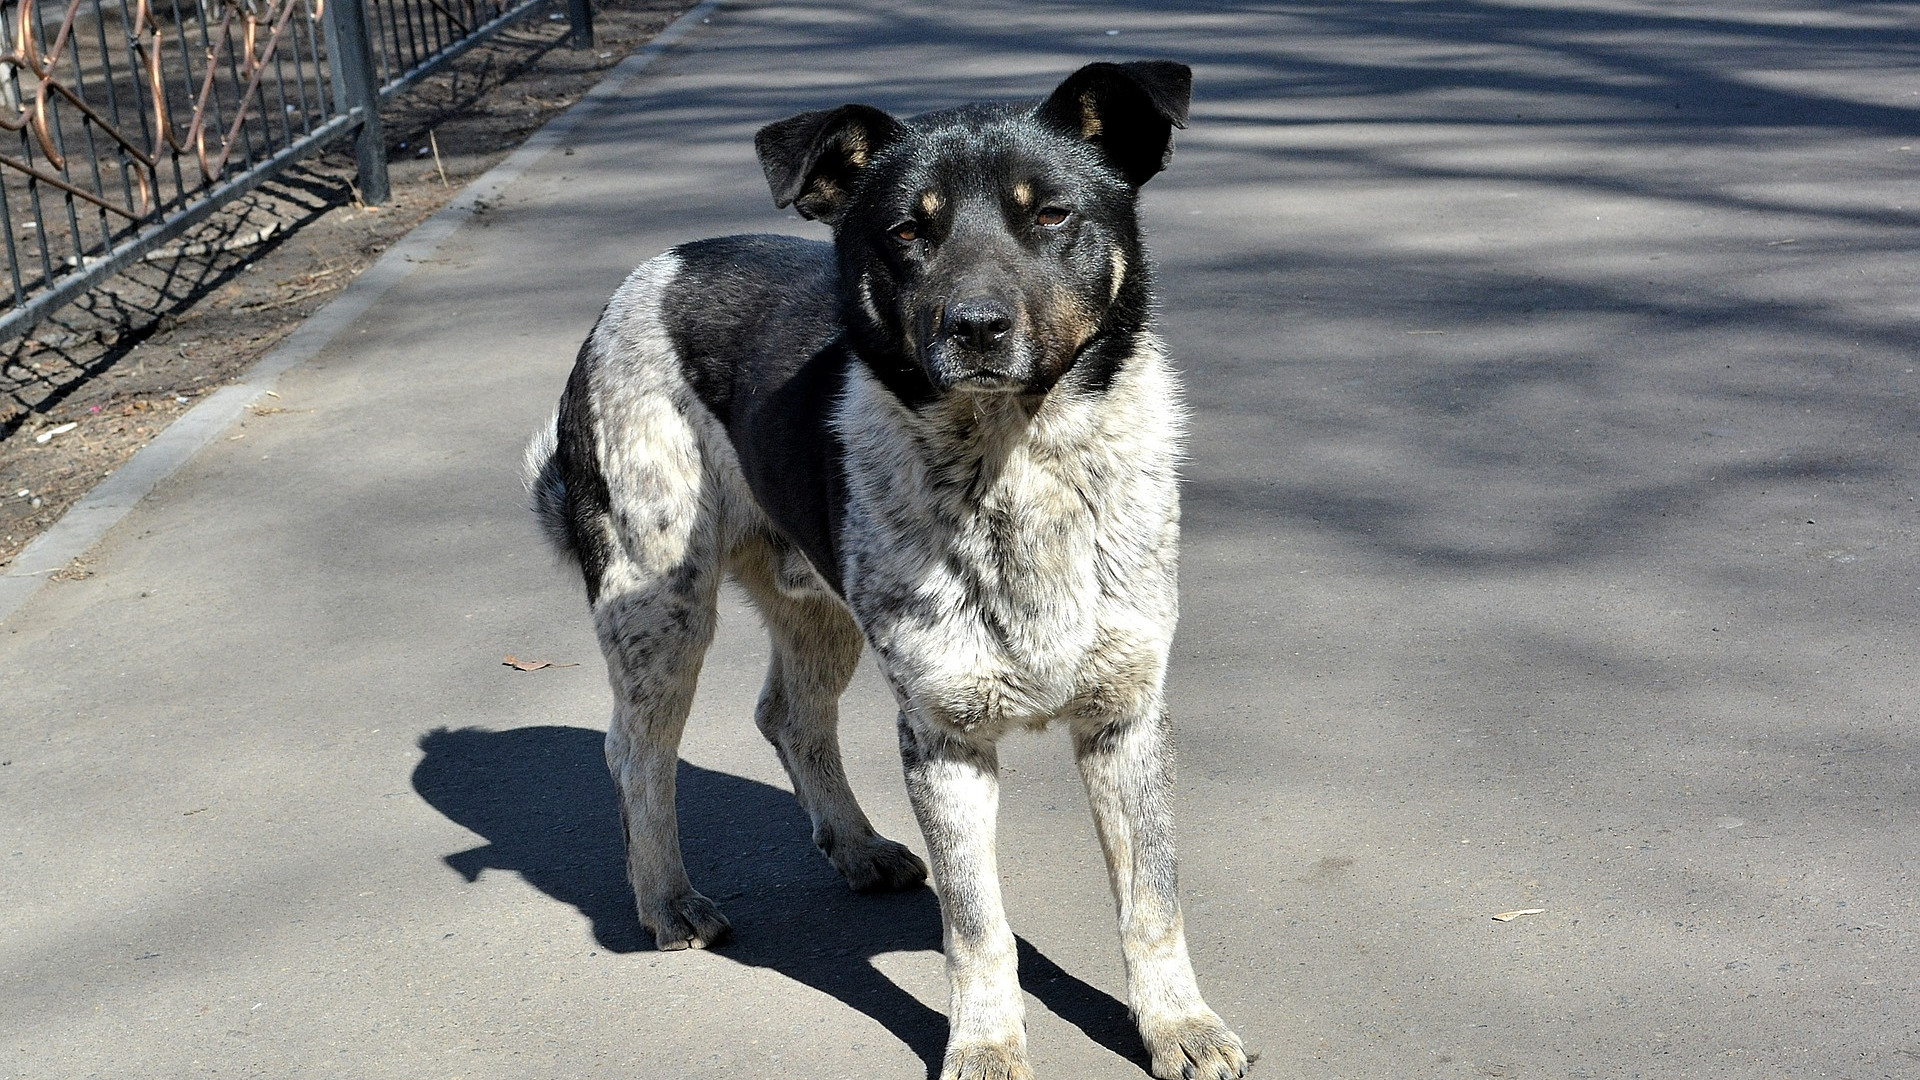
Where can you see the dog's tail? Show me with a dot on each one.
(547, 489)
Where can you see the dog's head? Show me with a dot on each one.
(986, 247)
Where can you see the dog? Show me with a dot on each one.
(949, 436)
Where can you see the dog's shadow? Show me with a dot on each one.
(542, 798)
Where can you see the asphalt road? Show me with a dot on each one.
(1550, 543)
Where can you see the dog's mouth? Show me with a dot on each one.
(1006, 371)
(988, 383)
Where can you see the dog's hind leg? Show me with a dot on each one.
(655, 634)
(657, 585)
(1127, 765)
(815, 646)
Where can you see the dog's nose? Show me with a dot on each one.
(979, 322)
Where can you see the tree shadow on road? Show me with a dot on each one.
(542, 798)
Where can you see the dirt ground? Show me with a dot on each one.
(86, 390)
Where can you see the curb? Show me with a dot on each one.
(102, 507)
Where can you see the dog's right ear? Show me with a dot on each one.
(811, 160)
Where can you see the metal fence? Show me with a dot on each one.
(125, 122)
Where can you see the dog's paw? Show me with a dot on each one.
(877, 865)
(986, 1061)
(690, 921)
(1194, 1047)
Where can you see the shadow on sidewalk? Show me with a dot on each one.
(543, 799)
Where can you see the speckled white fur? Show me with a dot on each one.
(1008, 565)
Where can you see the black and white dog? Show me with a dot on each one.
(950, 435)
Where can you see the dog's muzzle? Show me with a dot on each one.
(975, 349)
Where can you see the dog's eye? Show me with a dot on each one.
(1052, 217)
(907, 232)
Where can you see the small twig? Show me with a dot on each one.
(268, 305)
(435, 143)
(310, 277)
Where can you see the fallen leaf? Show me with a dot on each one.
(518, 664)
(1509, 916)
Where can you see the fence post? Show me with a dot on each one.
(357, 86)
(581, 12)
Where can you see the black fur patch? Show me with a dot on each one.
(755, 319)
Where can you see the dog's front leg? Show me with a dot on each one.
(1127, 764)
(954, 785)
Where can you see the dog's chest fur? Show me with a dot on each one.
(1010, 562)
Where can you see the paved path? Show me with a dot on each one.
(1551, 544)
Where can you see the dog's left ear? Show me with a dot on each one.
(811, 160)
(1128, 110)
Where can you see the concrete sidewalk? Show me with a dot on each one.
(1550, 544)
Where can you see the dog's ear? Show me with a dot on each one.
(1128, 110)
(811, 159)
